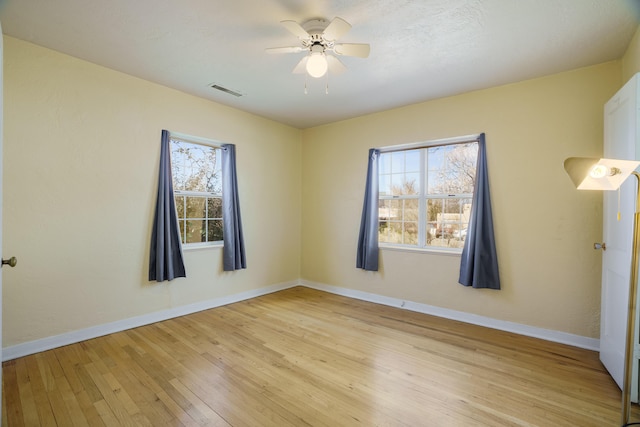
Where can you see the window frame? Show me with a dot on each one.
(189, 139)
(423, 197)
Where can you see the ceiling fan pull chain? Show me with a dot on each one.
(305, 86)
(326, 88)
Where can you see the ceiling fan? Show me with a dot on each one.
(318, 37)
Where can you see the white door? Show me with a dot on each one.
(620, 142)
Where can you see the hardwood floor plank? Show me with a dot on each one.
(145, 399)
(71, 403)
(106, 414)
(302, 357)
(35, 390)
(159, 376)
(116, 407)
(209, 416)
(68, 363)
(12, 412)
(89, 410)
(177, 416)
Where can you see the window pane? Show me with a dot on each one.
(383, 231)
(214, 207)
(384, 184)
(180, 206)
(435, 229)
(384, 163)
(181, 225)
(397, 162)
(395, 232)
(411, 184)
(177, 166)
(435, 183)
(395, 210)
(398, 221)
(447, 222)
(450, 218)
(412, 161)
(397, 183)
(214, 233)
(214, 172)
(384, 214)
(435, 158)
(452, 168)
(411, 210)
(196, 207)
(196, 231)
(196, 167)
(463, 207)
(432, 231)
(410, 233)
(434, 208)
(461, 163)
(383, 210)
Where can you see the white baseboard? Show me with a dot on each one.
(72, 337)
(518, 328)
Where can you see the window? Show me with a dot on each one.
(197, 186)
(425, 195)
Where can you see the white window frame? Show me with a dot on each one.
(189, 139)
(423, 197)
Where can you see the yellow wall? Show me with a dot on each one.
(631, 59)
(81, 146)
(545, 229)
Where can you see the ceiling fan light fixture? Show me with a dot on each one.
(318, 36)
(317, 65)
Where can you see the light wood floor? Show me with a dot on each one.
(301, 357)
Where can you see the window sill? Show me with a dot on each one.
(198, 246)
(446, 252)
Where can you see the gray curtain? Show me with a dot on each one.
(479, 264)
(165, 260)
(367, 255)
(233, 252)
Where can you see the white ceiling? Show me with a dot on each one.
(420, 49)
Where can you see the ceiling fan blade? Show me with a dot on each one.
(336, 29)
(302, 66)
(335, 65)
(361, 50)
(296, 29)
(288, 49)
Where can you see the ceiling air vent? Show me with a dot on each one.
(226, 90)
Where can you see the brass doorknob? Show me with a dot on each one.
(11, 262)
(602, 246)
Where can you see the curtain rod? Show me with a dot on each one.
(432, 143)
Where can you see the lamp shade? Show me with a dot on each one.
(598, 174)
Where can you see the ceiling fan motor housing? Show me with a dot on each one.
(315, 26)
